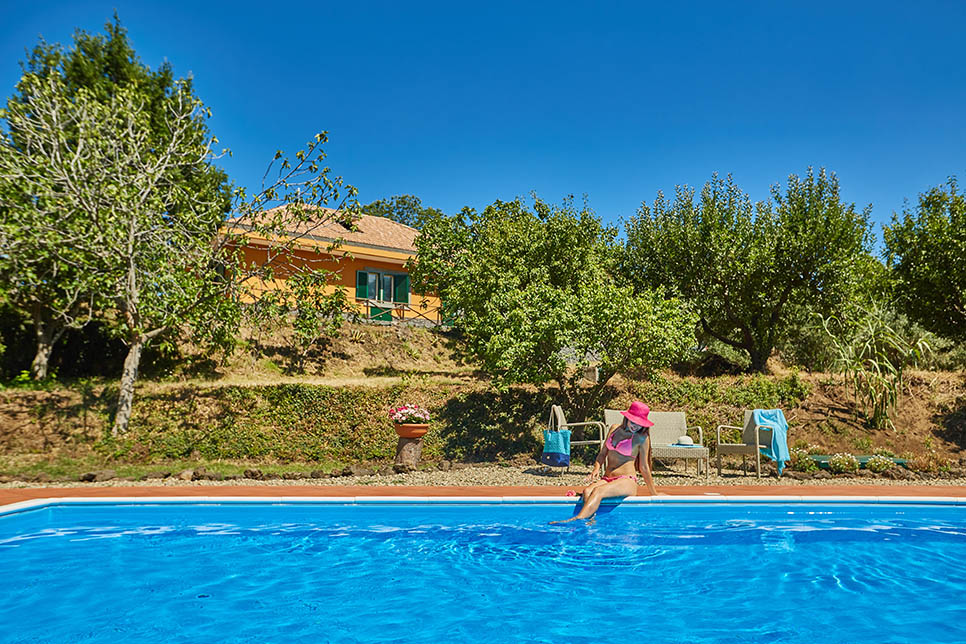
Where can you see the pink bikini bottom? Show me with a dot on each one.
(611, 479)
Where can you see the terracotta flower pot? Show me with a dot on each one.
(411, 430)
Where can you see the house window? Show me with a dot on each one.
(385, 293)
(382, 287)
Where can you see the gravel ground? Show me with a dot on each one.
(508, 475)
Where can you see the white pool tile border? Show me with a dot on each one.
(702, 499)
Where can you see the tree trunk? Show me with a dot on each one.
(759, 360)
(126, 396)
(408, 451)
(38, 368)
(47, 335)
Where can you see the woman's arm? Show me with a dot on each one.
(643, 463)
(602, 454)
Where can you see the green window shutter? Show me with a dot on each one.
(401, 289)
(362, 285)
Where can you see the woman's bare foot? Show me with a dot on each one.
(591, 520)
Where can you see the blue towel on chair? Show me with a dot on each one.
(556, 448)
(778, 450)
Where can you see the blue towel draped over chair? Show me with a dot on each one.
(778, 450)
(556, 448)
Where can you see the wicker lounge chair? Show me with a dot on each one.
(668, 427)
(558, 421)
(754, 437)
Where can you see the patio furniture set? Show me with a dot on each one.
(670, 437)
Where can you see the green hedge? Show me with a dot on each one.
(316, 423)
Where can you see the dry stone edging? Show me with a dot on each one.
(464, 474)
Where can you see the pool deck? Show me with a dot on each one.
(15, 495)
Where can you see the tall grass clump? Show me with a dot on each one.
(872, 356)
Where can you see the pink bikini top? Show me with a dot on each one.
(625, 447)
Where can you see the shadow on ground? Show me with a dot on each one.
(488, 425)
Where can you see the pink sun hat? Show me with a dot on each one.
(637, 413)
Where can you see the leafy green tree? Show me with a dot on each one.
(806, 342)
(404, 209)
(742, 265)
(120, 203)
(532, 292)
(926, 250)
(50, 289)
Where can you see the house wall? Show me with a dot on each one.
(345, 264)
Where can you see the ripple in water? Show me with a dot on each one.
(492, 574)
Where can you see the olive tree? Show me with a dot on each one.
(742, 265)
(531, 290)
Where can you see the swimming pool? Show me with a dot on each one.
(381, 571)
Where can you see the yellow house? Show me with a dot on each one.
(367, 255)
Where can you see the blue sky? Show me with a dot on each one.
(462, 103)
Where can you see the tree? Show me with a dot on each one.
(163, 254)
(307, 313)
(55, 294)
(926, 250)
(742, 265)
(532, 292)
(806, 341)
(404, 209)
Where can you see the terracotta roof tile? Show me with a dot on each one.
(366, 229)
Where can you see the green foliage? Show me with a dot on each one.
(742, 265)
(307, 315)
(109, 168)
(843, 463)
(746, 392)
(926, 249)
(59, 167)
(404, 209)
(24, 380)
(532, 294)
(801, 461)
(320, 423)
(879, 463)
(873, 356)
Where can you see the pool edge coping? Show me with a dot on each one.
(703, 499)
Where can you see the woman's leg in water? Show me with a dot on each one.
(599, 491)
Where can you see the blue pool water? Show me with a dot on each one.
(430, 573)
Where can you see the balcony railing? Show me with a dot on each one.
(377, 311)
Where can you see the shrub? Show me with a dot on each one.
(873, 355)
(801, 461)
(843, 463)
(930, 462)
(879, 463)
(881, 451)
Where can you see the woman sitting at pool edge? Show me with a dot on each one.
(626, 448)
